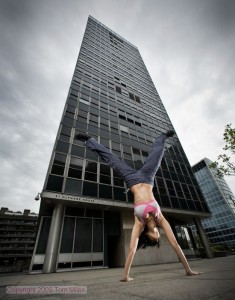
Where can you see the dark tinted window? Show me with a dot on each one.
(67, 235)
(54, 183)
(73, 186)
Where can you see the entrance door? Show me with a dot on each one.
(85, 237)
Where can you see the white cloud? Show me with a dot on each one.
(187, 48)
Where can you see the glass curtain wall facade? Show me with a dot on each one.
(220, 227)
(113, 98)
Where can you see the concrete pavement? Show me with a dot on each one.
(164, 281)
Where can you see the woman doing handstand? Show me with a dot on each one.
(146, 209)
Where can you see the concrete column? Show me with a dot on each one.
(49, 265)
(203, 238)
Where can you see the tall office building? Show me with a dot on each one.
(17, 238)
(220, 227)
(86, 217)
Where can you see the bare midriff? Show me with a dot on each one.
(142, 192)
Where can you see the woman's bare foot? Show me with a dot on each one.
(191, 273)
(126, 279)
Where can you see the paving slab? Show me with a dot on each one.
(163, 281)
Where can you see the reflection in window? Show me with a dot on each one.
(66, 130)
(131, 96)
(43, 237)
(81, 126)
(60, 159)
(64, 138)
(105, 179)
(90, 176)
(118, 90)
(91, 166)
(104, 169)
(67, 235)
(68, 121)
(118, 181)
(119, 194)
(97, 236)
(58, 170)
(83, 235)
(124, 128)
(73, 186)
(91, 155)
(78, 151)
(84, 101)
(74, 173)
(89, 189)
(76, 163)
(54, 183)
(62, 147)
(105, 191)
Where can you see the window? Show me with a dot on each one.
(119, 194)
(73, 186)
(136, 151)
(105, 179)
(78, 151)
(97, 236)
(91, 171)
(84, 101)
(105, 191)
(43, 237)
(67, 235)
(93, 118)
(104, 169)
(89, 189)
(118, 90)
(62, 147)
(58, 165)
(138, 123)
(70, 109)
(83, 235)
(75, 168)
(91, 166)
(123, 128)
(118, 181)
(67, 121)
(122, 117)
(131, 96)
(66, 130)
(54, 183)
(81, 126)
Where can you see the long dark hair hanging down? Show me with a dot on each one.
(145, 242)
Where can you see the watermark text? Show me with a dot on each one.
(66, 289)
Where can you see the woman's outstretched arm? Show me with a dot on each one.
(136, 231)
(172, 240)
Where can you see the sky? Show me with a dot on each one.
(187, 47)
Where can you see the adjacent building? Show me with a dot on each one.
(220, 227)
(17, 238)
(86, 216)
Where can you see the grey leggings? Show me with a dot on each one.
(130, 176)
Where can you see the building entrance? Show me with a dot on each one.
(81, 243)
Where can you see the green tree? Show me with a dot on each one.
(223, 165)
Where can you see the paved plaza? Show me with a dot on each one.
(163, 282)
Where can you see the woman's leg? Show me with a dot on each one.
(153, 161)
(110, 158)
